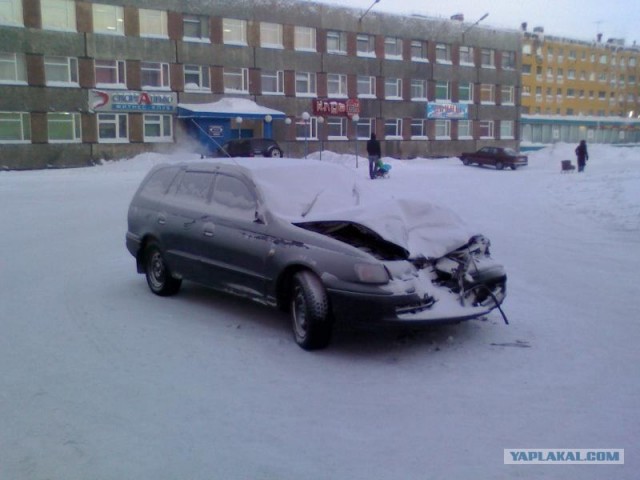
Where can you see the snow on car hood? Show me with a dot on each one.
(314, 191)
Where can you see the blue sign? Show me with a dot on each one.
(448, 111)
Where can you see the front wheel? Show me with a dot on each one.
(159, 277)
(500, 166)
(310, 313)
(275, 153)
(466, 161)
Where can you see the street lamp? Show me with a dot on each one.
(267, 126)
(474, 24)
(239, 124)
(356, 119)
(365, 13)
(320, 134)
(305, 119)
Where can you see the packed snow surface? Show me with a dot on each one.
(103, 380)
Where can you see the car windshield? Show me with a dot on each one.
(510, 151)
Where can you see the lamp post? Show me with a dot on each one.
(305, 119)
(267, 126)
(365, 13)
(356, 119)
(320, 134)
(287, 122)
(474, 24)
(239, 124)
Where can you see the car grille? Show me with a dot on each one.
(415, 307)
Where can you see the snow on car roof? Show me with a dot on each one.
(305, 190)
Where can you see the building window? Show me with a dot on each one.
(307, 129)
(113, 128)
(467, 55)
(337, 85)
(336, 42)
(419, 52)
(64, 127)
(393, 129)
(418, 129)
(11, 12)
(442, 91)
(236, 80)
(365, 127)
(393, 88)
(58, 14)
(443, 129)
(108, 19)
(465, 131)
(155, 75)
(158, 128)
(272, 82)
(487, 93)
(305, 84)
(418, 89)
(366, 86)
(443, 53)
(196, 78)
(195, 28)
(271, 35)
(465, 92)
(488, 57)
(153, 23)
(507, 93)
(12, 69)
(234, 31)
(61, 71)
(366, 45)
(15, 127)
(337, 128)
(509, 60)
(506, 129)
(110, 74)
(393, 48)
(526, 69)
(486, 128)
(304, 39)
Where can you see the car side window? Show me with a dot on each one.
(194, 186)
(159, 182)
(232, 197)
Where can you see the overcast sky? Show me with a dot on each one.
(576, 19)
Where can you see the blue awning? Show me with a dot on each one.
(227, 108)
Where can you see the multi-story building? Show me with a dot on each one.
(577, 89)
(82, 80)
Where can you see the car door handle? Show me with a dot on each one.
(208, 233)
(208, 229)
(162, 220)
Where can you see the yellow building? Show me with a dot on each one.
(568, 77)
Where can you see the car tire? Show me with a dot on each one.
(310, 312)
(466, 161)
(499, 166)
(159, 277)
(275, 152)
(513, 167)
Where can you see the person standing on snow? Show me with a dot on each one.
(374, 152)
(582, 154)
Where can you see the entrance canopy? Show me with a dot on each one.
(227, 108)
(215, 123)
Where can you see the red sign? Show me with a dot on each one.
(336, 107)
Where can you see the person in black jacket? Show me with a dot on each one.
(374, 152)
(582, 154)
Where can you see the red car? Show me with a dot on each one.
(496, 156)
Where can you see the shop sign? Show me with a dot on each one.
(336, 107)
(132, 101)
(456, 111)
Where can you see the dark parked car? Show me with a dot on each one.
(273, 232)
(250, 147)
(496, 156)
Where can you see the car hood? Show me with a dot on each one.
(310, 191)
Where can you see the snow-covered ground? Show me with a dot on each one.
(100, 379)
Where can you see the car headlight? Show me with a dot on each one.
(371, 273)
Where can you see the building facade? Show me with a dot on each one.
(82, 81)
(575, 90)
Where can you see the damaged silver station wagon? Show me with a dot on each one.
(312, 238)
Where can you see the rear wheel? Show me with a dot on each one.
(276, 153)
(310, 314)
(500, 166)
(157, 272)
(466, 161)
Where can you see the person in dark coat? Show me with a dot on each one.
(374, 152)
(582, 154)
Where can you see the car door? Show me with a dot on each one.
(485, 156)
(186, 213)
(237, 243)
